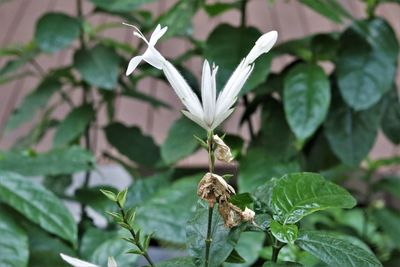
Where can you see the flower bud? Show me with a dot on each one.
(222, 151)
(213, 188)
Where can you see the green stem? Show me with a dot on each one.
(211, 163)
(133, 234)
(275, 250)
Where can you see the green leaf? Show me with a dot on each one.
(98, 66)
(324, 46)
(32, 103)
(45, 249)
(282, 264)
(297, 195)
(219, 8)
(242, 200)
(351, 134)
(96, 199)
(235, 257)
(389, 221)
(184, 261)
(14, 241)
(365, 72)
(390, 185)
(237, 43)
(391, 118)
(335, 251)
(97, 245)
(223, 238)
(168, 210)
(131, 142)
(299, 47)
(180, 141)
(256, 168)
(121, 197)
(330, 9)
(306, 98)
(120, 5)
(286, 233)
(57, 161)
(179, 17)
(74, 125)
(37, 204)
(55, 31)
(249, 246)
(156, 103)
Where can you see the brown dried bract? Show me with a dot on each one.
(213, 188)
(222, 151)
(233, 215)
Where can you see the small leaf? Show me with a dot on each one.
(124, 6)
(184, 261)
(389, 221)
(330, 9)
(121, 197)
(55, 31)
(286, 233)
(391, 118)
(38, 205)
(297, 195)
(98, 66)
(335, 251)
(110, 195)
(242, 200)
(235, 257)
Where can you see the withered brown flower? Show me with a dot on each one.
(222, 151)
(213, 188)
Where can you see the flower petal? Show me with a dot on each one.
(157, 34)
(206, 93)
(153, 57)
(196, 119)
(263, 45)
(76, 262)
(220, 118)
(133, 63)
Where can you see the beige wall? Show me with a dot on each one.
(17, 19)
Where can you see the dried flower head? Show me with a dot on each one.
(233, 215)
(213, 188)
(222, 151)
(248, 215)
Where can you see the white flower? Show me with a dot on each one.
(80, 263)
(151, 55)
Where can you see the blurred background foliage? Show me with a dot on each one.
(313, 118)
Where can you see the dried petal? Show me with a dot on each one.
(222, 151)
(213, 188)
(248, 215)
(231, 214)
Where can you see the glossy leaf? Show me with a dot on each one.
(38, 205)
(242, 200)
(55, 31)
(330, 9)
(335, 251)
(180, 141)
(364, 72)
(98, 66)
(74, 125)
(57, 161)
(184, 261)
(97, 245)
(169, 209)
(297, 195)
(223, 238)
(249, 247)
(132, 143)
(351, 134)
(306, 98)
(13, 242)
(120, 5)
(391, 118)
(257, 168)
(286, 233)
(282, 264)
(32, 103)
(223, 41)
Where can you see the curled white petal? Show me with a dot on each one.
(133, 63)
(206, 94)
(197, 120)
(76, 262)
(157, 34)
(262, 45)
(153, 57)
(220, 117)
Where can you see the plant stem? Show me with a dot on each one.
(275, 250)
(133, 234)
(211, 163)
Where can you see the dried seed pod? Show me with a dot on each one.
(213, 188)
(222, 151)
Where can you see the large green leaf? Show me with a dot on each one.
(169, 209)
(256, 168)
(33, 102)
(120, 5)
(223, 239)
(57, 161)
(297, 195)
(38, 205)
(330, 9)
(73, 125)
(286, 233)
(184, 261)
(179, 17)
(227, 46)
(389, 221)
(97, 245)
(335, 251)
(54, 31)
(351, 134)
(365, 71)
(249, 247)
(98, 66)
(180, 141)
(306, 98)
(391, 118)
(13, 242)
(131, 142)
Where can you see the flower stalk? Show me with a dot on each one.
(211, 164)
